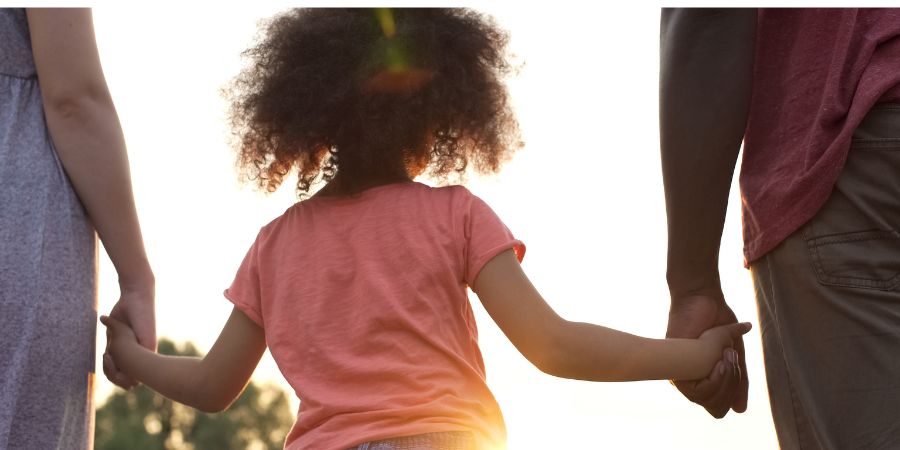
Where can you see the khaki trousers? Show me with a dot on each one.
(829, 306)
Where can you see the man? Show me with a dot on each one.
(814, 95)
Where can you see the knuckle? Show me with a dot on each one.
(717, 412)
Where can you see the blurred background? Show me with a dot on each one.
(585, 194)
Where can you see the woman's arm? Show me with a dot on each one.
(88, 139)
(585, 351)
(209, 384)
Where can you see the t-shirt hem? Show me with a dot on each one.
(244, 308)
(343, 445)
(515, 244)
(766, 241)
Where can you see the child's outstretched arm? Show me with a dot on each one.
(585, 351)
(209, 384)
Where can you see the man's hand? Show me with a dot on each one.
(689, 317)
(703, 51)
(135, 309)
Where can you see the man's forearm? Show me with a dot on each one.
(706, 66)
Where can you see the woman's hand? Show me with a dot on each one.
(135, 312)
(119, 335)
(120, 339)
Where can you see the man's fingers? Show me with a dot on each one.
(739, 403)
(718, 404)
(699, 391)
(714, 393)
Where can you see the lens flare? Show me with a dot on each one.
(396, 72)
(385, 18)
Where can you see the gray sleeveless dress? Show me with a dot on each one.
(47, 270)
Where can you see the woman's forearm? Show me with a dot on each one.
(85, 129)
(90, 145)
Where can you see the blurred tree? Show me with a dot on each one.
(141, 419)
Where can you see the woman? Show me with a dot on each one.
(63, 174)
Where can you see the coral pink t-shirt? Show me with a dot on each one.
(363, 300)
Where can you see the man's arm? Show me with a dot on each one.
(706, 67)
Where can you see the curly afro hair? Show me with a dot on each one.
(360, 97)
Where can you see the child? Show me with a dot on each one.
(360, 291)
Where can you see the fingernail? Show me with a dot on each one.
(731, 356)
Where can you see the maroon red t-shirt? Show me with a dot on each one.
(817, 73)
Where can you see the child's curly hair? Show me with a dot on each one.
(400, 91)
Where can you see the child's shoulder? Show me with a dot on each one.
(416, 191)
(453, 190)
(396, 195)
(455, 197)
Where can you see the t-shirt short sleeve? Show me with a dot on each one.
(486, 237)
(244, 291)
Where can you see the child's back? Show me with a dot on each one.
(363, 301)
(360, 291)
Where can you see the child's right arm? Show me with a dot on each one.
(585, 351)
(209, 384)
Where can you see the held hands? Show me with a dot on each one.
(726, 387)
(721, 341)
(133, 318)
(119, 336)
(120, 339)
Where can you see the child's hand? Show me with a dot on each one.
(135, 309)
(120, 338)
(721, 340)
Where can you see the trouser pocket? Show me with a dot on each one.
(854, 240)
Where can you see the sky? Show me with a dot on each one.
(585, 195)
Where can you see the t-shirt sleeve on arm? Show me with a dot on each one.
(244, 291)
(486, 237)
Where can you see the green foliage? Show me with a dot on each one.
(141, 419)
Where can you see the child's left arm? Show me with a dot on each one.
(209, 384)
